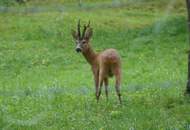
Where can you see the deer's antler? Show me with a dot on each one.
(79, 34)
(84, 30)
(88, 24)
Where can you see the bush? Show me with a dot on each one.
(7, 2)
(12, 2)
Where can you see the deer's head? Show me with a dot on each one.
(82, 39)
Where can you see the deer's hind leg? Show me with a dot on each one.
(106, 87)
(117, 73)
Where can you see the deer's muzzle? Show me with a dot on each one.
(78, 49)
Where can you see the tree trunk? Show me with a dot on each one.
(80, 3)
(188, 82)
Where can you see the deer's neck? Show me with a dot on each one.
(90, 55)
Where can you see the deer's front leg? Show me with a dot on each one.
(96, 81)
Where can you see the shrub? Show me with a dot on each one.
(12, 2)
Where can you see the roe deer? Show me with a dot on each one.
(104, 64)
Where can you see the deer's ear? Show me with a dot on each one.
(74, 34)
(88, 33)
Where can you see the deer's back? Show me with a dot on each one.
(109, 60)
(109, 56)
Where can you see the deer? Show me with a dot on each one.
(104, 64)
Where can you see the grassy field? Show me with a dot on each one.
(46, 85)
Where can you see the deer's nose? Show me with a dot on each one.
(78, 49)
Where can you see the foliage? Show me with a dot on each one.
(7, 2)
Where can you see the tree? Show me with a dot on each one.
(188, 82)
(80, 3)
(21, 1)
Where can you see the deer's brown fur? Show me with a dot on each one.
(104, 64)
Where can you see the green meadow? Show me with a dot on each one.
(46, 85)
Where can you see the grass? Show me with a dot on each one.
(45, 84)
